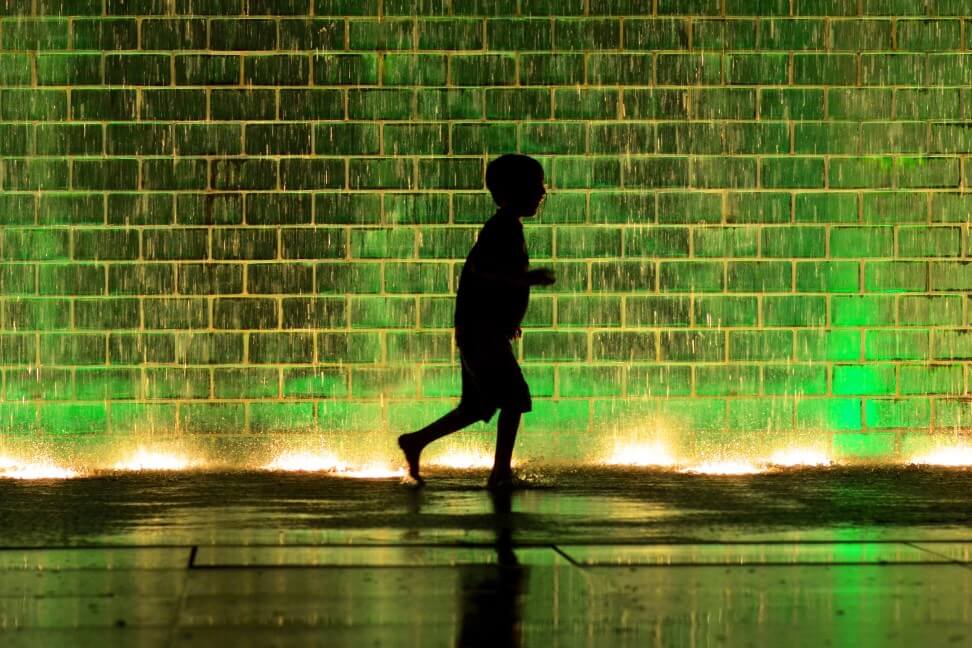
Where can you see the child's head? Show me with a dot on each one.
(516, 183)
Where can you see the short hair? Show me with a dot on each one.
(512, 173)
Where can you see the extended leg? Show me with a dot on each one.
(507, 425)
(413, 444)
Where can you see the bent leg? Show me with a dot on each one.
(413, 444)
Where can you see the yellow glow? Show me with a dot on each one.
(371, 471)
(306, 462)
(641, 454)
(724, 468)
(38, 471)
(463, 460)
(144, 459)
(6, 463)
(947, 456)
(799, 457)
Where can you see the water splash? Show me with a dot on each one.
(793, 457)
(946, 456)
(728, 467)
(641, 454)
(146, 459)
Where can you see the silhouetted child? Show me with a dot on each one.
(494, 289)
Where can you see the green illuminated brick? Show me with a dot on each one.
(72, 349)
(895, 207)
(175, 313)
(926, 35)
(218, 278)
(418, 347)
(926, 172)
(878, 137)
(727, 380)
(104, 33)
(355, 347)
(563, 138)
(280, 417)
(320, 313)
(245, 313)
(17, 279)
(724, 241)
(827, 137)
(693, 276)
(759, 276)
(692, 346)
(760, 345)
(200, 348)
(904, 344)
(622, 207)
(827, 276)
(723, 34)
(208, 418)
(659, 380)
(897, 413)
(588, 311)
(656, 311)
(652, 103)
(856, 34)
(702, 137)
(864, 379)
(758, 207)
(895, 276)
(315, 382)
(382, 312)
(722, 103)
(799, 241)
(950, 275)
(828, 345)
(176, 382)
(937, 310)
(829, 414)
(246, 382)
(791, 104)
(586, 172)
(419, 278)
(951, 207)
(892, 69)
(451, 34)
(450, 173)
(795, 172)
(795, 379)
(412, 69)
(564, 207)
(859, 103)
(387, 34)
(623, 276)
(656, 242)
(72, 279)
(853, 242)
(945, 69)
(863, 446)
(952, 345)
(931, 379)
(953, 413)
(654, 172)
(270, 278)
(554, 346)
(519, 34)
(764, 415)
(37, 314)
(769, 69)
(799, 310)
(862, 310)
(591, 381)
(725, 311)
(482, 69)
(114, 313)
(627, 346)
(655, 33)
(585, 242)
(824, 69)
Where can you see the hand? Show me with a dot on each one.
(541, 277)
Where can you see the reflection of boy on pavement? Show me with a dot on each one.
(491, 300)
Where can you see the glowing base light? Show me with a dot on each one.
(372, 471)
(38, 471)
(640, 455)
(947, 456)
(462, 460)
(724, 468)
(305, 462)
(6, 463)
(145, 459)
(799, 457)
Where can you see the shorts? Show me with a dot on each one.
(491, 378)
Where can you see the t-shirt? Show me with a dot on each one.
(485, 305)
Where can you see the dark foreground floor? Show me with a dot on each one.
(823, 557)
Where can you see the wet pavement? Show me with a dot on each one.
(814, 557)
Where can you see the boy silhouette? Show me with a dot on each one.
(494, 289)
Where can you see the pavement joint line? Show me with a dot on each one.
(567, 556)
(960, 563)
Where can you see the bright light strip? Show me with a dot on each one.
(463, 460)
(144, 459)
(305, 462)
(639, 454)
(947, 456)
(38, 471)
(724, 468)
(371, 471)
(799, 457)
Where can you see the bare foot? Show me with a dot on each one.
(412, 453)
(501, 481)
